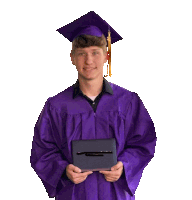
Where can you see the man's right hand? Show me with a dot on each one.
(75, 175)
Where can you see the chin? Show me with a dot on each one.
(90, 77)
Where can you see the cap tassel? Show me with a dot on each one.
(109, 52)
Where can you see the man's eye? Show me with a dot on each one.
(82, 54)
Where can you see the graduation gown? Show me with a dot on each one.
(120, 115)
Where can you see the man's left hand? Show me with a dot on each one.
(115, 173)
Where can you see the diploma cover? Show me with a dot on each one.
(94, 155)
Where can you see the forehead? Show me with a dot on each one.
(91, 48)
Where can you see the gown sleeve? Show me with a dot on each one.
(46, 158)
(139, 145)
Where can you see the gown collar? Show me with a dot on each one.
(106, 88)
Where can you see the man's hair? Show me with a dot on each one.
(83, 41)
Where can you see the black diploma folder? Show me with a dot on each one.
(94, 155)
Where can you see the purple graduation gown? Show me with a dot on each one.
(121, 116)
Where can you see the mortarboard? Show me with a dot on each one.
(91, 24)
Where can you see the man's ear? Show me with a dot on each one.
(106, 56)
(72, 58)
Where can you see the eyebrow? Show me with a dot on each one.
(91, 50)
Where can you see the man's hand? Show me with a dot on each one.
(115, 173)
(75, 175)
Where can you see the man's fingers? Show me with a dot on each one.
(84, 174)
(77, 170)
(87, 173)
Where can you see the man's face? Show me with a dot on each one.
(89, 62)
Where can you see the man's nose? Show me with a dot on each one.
(89, 59)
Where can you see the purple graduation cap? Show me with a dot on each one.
(89, 24)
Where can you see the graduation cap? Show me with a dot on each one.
(91, 24)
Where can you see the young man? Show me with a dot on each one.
(92, 108)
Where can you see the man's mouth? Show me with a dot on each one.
(89, 69)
